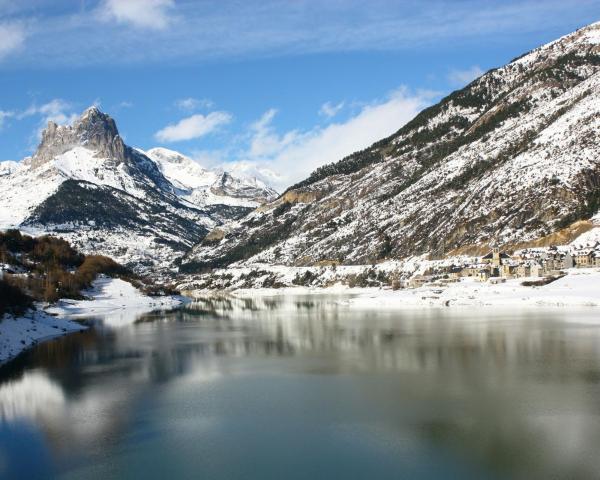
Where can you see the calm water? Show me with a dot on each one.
(301, 388)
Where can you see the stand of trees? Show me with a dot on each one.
(47, 268)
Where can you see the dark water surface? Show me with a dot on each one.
(298, 387)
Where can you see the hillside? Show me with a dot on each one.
(510, 159)
(85, 185)
(45, 283)
(46, 268)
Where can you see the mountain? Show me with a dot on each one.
(85, 185)
(512, 159)
(209, 187)
(7, 167)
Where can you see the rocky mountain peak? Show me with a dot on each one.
(250, 188)
(203, 185)
(93, 130)
(94, 124)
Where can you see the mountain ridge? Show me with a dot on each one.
(202, 186)
(510, 158)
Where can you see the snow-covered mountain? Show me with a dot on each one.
(209, 187)
(7, 167)
(85, 185)
(512, 159)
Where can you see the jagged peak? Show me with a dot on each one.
(93, 113)
(93, 120)
(93, 129)
(92, 110)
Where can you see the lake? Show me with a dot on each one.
(304, 388)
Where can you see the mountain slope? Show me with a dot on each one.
(511, 158)
(84, 184)
(203, 187)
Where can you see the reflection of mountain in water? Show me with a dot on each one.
(439, 374)
(417, 340)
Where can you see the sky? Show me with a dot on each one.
(273, 88)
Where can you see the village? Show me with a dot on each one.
(498, 266)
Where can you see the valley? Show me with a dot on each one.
(300, 240)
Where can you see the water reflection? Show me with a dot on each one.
(430, 394)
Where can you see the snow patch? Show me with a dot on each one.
(115, 301)
(19, 333)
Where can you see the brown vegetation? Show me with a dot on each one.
(560, 237)
(563, 236)
(541, 282)
(12, 299)
(48, 268)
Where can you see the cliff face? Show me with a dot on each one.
(511, 158)
(94, 130)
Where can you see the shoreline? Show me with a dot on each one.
(579, 288)
(18, 334)
(118, 303)
(115, 301)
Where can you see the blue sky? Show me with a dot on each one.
(273, 87)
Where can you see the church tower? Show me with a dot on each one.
(496, 256)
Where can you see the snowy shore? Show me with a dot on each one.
(116, 302)
(20, 333)
(579, 288)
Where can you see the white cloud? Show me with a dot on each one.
(57, 110)
(330, 110)
(295, 154)
(460, 78)
(192, 127)
(4, 115)
(151, 14)
(264, 141)
(190, 104)
(246, 169)
(122, 105)
(208, 30)
(12, 38)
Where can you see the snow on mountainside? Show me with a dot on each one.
(203, 187)
(7, 167)
(85, 185)
(512, 159)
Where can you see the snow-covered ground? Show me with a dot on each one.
(117, 302)
(580, 288)
(19, 333)
(114, 301)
